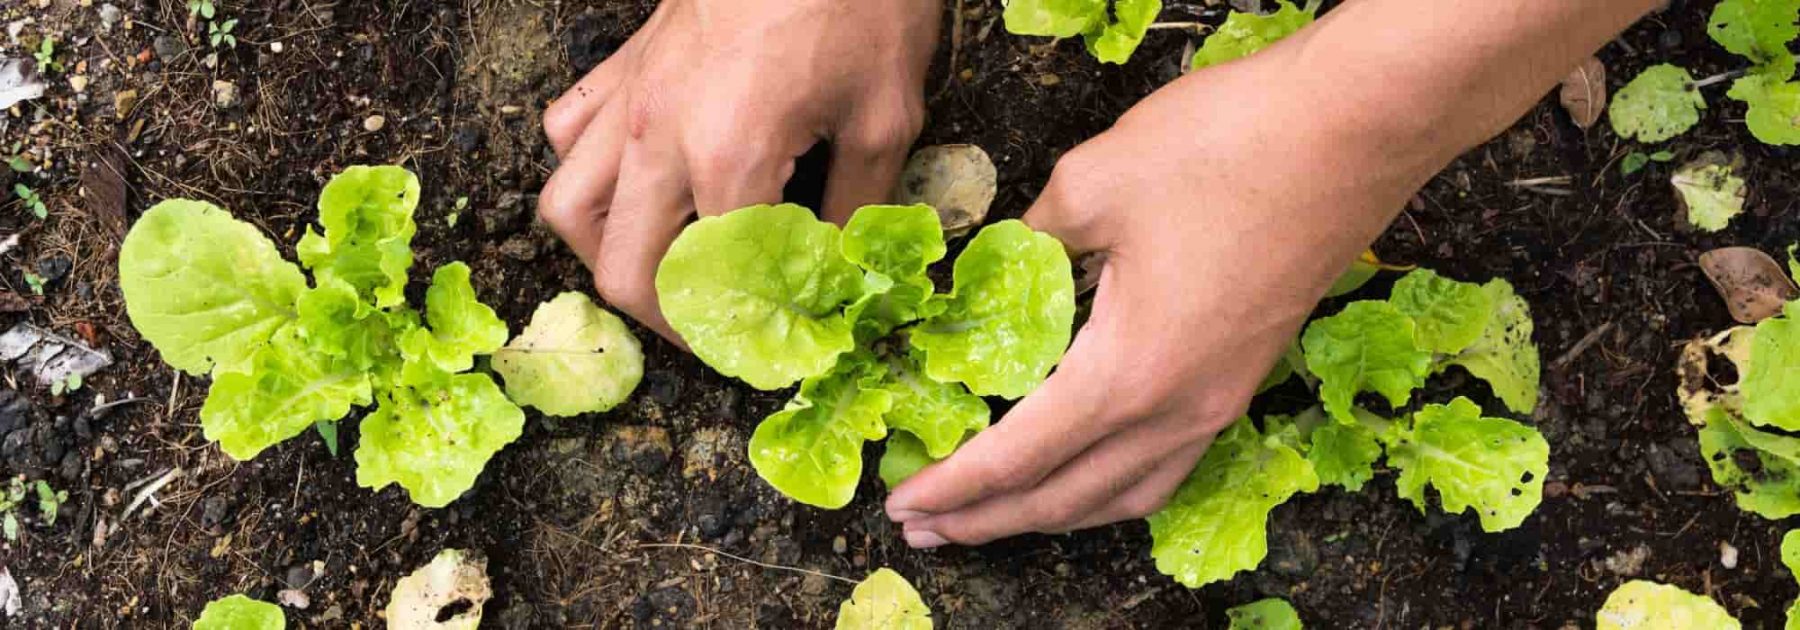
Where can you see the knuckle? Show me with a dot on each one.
(1053, 515)
(554, 207)
(617, 289)
(562, 121)
(1002, 475)
(1141, 505)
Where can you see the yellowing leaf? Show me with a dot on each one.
(1504, 355)
(1710, 191)
(1644, 605)
(446, 594)
(884, 601)
(1269, 614)
(239, 612)
(1658, 104)
(573, 358)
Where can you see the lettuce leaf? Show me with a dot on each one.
(893, 245)
(1774, 114)
(1449, 315)
(1504, 355)
(1273, 613)
(288, 385)
(1344, 454)
(940, 414)
(1053, 18)
(1758, 30)
(1215, 525)
(1493, 465)
(367, 212)
(1790, 558)
(573, 358)
(884, 601)
(1642, 605)
(1009, 317)
(333, 320)
(1245, 33)
(902, 456)
(239, 612)
(1656, 105)
(1761, 468)
(461, 326)
(756, 294)
(1368, 346)
(434, 437)
(812, 450)
(204, 288)
(1113, 41)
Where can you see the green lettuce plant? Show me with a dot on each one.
(1245, 33)
(214, 297)
(239, 612)
(884, 601)
(773, 296)
(1273, 613)
(1214, 525)
(1112, 29)
(1665, 100)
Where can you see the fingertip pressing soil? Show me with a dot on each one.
(649, 515)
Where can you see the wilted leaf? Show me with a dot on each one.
(957, 179)
(1754, 286)
(455, 582)
(1709, 191)
(51, 357)
(1584, 92)
(18, 82)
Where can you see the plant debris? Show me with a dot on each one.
(52, 358)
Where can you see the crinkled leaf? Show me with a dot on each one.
(333, 320)
(1504, 355)
(1645, 605)
(461, 326)
(1449, 315)
(1658, 104)
(1245, 33)
(1493, 465)
(939, 414)
(1273, 613)
(367, 212)
(1774, 114)
(1758, 30)
(902, 456)
(204, 288)
(884, 601)
(573, 358)
(434, 438)
(1215, 525)
(812, 450)
(897, 241)
(1369, 346)
(756, 293)
(1053, 18)
(887, 304)
(1009, 317)
(1771, 381)
(1344, 454)
(287, 386)
(239, 612)
(1113, 41)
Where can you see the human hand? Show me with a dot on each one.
(705, 109)
(1226, 206)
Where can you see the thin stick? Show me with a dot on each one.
(1716, 79)
(1197, 27)
(747, 560)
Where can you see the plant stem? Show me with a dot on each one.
(1718, 78)
(1196, 27)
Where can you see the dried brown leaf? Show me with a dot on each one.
(1754, 286)
(1584, 92)
(103, 187)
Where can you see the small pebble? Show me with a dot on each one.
(839, 545)
(78, 83)
(276, 47)
(1728, 555)
(374, 123)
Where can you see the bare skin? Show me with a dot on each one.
(1226, 203)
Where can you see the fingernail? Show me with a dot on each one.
(905, 516)
(924, 540)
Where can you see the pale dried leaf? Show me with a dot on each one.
(1584, 92)
(51, 357)
(957, 179)
(1754, 286)
(19, 82)
(10, 595)
(453, 578)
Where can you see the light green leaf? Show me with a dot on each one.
(1113, 41)
(1273, 613)
(1245, 33)
(1790, 558)
(1344, 454)
(903, 456)
(812, 450)
(1658, 104)
(939, 414)
(367, 212)
(1053, 18)
(1505, 356)
(1758, 30)
(887, 304)
(573, 358)
(239, 612)
(1449, 315)
(1774, 114)
(204, 288)
(1762, 469)
(884, 601)
(461, 326)
(1771, 381)
(1493, 465)
(286, 387)
(1369, 346)
(1645, 605)
(434, 438)
(1710, 190)
(756, 293)
(1009, 317)
(895, 241)
(1215, 525)
(1359, 273)
(333, 320)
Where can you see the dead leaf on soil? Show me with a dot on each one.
(1708, 190)
(957, 179)
(51, 357)
(19, 82)
(1754, 286)
(1698, 389)
(10, 601)
(455, 582)
(1584, 92)
(103, 185)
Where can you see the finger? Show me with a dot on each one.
(1151, 493)
(1076, 493)
(575, 201)
(865, 168)
(735, 161)
(652, 204)
(1072, 207)
(568, 116)
(1065, 416)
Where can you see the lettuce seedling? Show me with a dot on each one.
(1214, 525)
(239, 612)
(1665, 100)
(1245, 33)
(884, 601)
(1644, 604)
(213, 295)
(1111, 34)
(1273, 613)
(1660, 103)
(772, 295)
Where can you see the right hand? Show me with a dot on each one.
(705, 109)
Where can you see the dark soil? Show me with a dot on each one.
(649, 516)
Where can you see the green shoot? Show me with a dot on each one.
(32, 200)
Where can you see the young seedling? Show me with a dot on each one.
(1664, 101)
(11, 499)
(1636, 160)
(1111, 34)
(239, 612)
(221, 33)
(201, 8)
(31, 200)
(49, 502)
(884, 601)
(46, 56)
(34, 282)
(66, 386)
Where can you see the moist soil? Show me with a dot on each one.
(649, 515)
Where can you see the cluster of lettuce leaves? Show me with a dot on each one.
(1273, 613)
(1664, 101)
(1215, 525)
(1112, 28)
(1748, 427)
(214, 296)
(772, 295)
(884, 601)
(1245, 33)
(239, 612)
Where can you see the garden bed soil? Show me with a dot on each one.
(649, 515)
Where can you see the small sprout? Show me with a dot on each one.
(462, 203)
(46, 56)
(32, 200)
(1637, 160)
(36, 282)
(19, 164)
(10, 500)
(221, 33)
(201, 8)
(50, 501)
